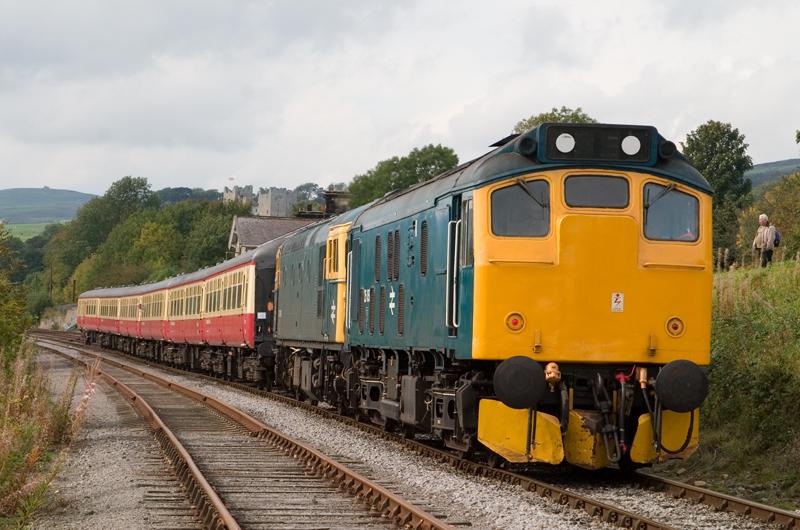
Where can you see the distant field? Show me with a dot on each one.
(39, 205)
(26, 231)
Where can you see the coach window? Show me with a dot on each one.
(596, 191)
(522, 209)
(669, 214)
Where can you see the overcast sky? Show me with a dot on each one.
(205, 93)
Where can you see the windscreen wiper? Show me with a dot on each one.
(524, 185)
(668, 189)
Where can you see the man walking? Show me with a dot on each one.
(764, 243)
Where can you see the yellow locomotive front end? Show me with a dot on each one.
(593, 287)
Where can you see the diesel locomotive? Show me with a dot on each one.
(548, 302)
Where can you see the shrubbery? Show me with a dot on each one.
(750, 423)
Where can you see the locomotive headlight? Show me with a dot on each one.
(565, 143)
(675, 327)
(631, 145)
(515, 321)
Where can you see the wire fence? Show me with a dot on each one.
(724, 258)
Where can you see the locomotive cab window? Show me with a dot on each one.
(522, 209)
(669, 214)
(596, 191)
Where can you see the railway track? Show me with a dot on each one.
(240, 473)
(622, 518)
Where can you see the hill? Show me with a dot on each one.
(40, 205)
(772, 171)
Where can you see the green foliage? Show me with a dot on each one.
(91, 227)
(419, 165)
(755, 378)
(32, 427)
(719, 152)
(310, 198)
(174, 195)
(781, 202)
(151, 244)
(555, 115)
(797, 136)
(309, 192)
(13, 318)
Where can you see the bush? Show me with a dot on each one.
(750, 425)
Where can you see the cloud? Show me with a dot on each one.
(280, 93)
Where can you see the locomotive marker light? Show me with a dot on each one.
(675, 327)
(565, 143)
(519, 382)
(631, 145)
(681, 386)
(515, 322)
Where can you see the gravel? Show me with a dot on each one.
(113, 468)
(660, 507)
(483, 502)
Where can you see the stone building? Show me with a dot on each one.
(249, 232)
(243, 194)
(275, 202)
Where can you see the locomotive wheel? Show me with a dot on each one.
(494, 461)
(389, 425)
(408, 432)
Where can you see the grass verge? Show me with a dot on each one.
(35, 429)
(750, 425)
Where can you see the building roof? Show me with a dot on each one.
(250, 232)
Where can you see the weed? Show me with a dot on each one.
(750, 433)
(33, 428)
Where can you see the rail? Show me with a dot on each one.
(784, 519)
(376, 496)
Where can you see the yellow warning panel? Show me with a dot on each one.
(519, 435)
(674, 430)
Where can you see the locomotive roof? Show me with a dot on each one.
(508, 160)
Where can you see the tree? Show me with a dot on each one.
(562, 115)
(309, 198)
(419, 165)
(797, 136)
(781, 201)
(719, 152)
(13, 318)
(309, 192)
(175, 195)
(91, 227)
